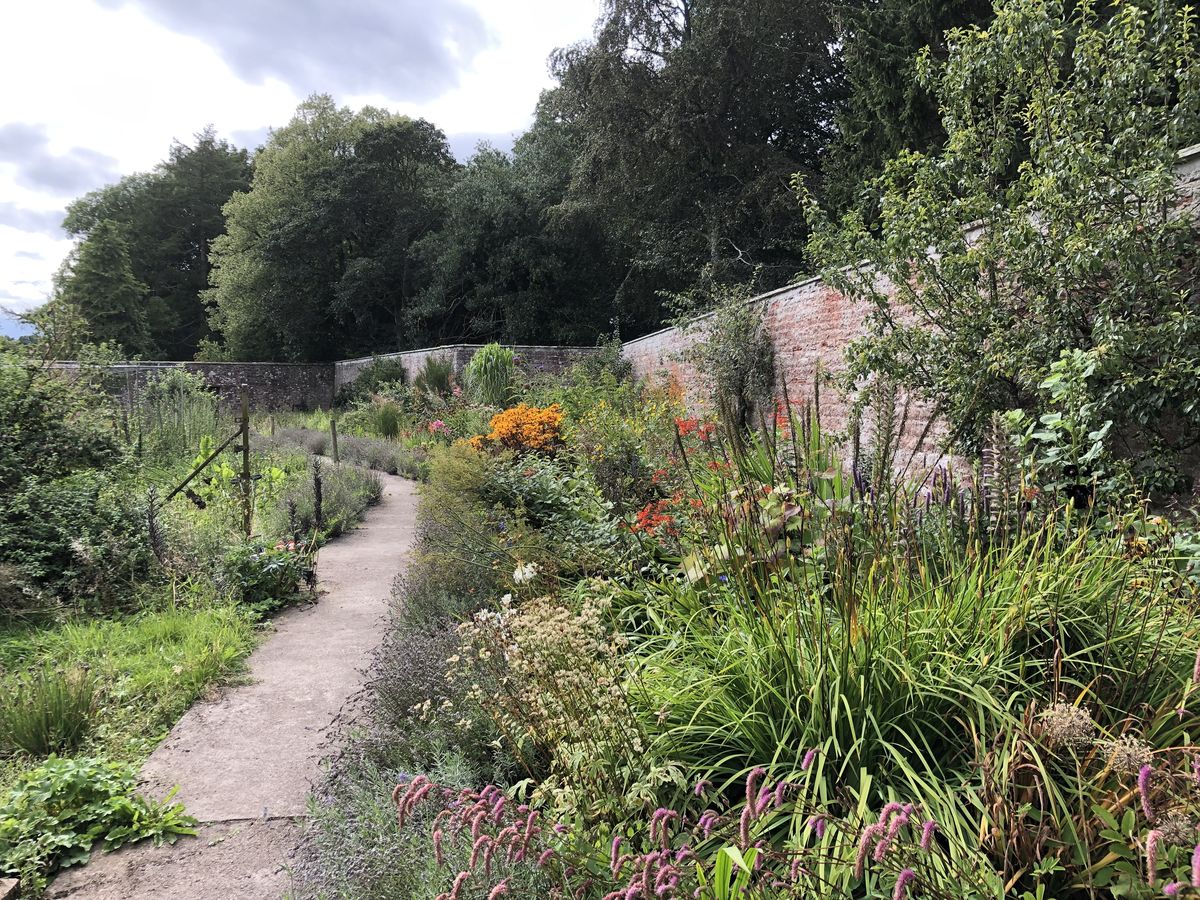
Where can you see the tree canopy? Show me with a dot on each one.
(165, 220)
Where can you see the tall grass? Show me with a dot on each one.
(48, 712)
(914, 647)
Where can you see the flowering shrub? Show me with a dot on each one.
(524, 429)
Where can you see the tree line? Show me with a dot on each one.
(661, 162)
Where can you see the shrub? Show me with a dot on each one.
(385, 418)
(82, 537)
(174, 412)
(524, 429)
(57, 812)
(261, 577)
(490, 375)
(48, 712)
(52, 425)
(380, 376)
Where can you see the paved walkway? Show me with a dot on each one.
(245, 762)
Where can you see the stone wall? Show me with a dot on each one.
(532, 358)
(277, 386)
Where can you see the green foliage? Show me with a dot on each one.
(57, 812)
(52, 425)
(175, 412)
(1046, 224)
(691, 116)
(261, 578)
(48, 712)
(81, 537)
(436, 378)
(322, 245)
(97, 280)
(167, 219)
(733, 350)
(377, 377)
(490, 375)
(888, 109)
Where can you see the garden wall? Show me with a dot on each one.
(271, 385)
(538, 358)
(810, 325)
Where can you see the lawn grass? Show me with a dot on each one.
(149, 667)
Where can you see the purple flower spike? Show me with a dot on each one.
(1143, 784)
(1196, 668)
(1196, 867)
(927, 831)
(1172, 889)
(902, 882)
(811, 755)
(870, 834)
(702, 786)
(752, 782)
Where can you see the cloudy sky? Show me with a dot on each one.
(95, 89)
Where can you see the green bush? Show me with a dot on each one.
(260, 577)
(52, 425)
(82, 536)
(490, 375)
(48, 712)
(57, 812)
(380, 376)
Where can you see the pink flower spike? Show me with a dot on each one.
(927, 831)
(1172, 889)
(1152, 841)
(752, 782)
(499, 890)
(1196, 867)
(1196, 668)
(870, 834)
(437, 846)
(902, 882)
(702, 786)
(1143, 783)
(809, 757)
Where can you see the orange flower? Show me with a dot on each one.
(524, 428)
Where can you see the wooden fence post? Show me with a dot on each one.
(247, 484)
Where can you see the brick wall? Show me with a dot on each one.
(811, 325)
(532, 358)
(271, 385)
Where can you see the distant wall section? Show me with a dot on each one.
(277, 386)
(532, 358)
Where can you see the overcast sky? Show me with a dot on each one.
(96, 89)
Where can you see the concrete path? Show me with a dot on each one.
(245, 762)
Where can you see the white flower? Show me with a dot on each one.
(525, 573)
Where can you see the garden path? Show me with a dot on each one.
(245, 760)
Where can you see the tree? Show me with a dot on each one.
(692, 115)
(168, 218)
(97, 279)
(514, 259)
(1049, 223)
(887, 108)
(316, 262)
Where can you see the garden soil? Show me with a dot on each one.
(245, 761)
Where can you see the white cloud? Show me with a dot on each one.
(99, 87)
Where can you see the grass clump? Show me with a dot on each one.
(48, 712)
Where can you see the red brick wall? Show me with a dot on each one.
(811, 325)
